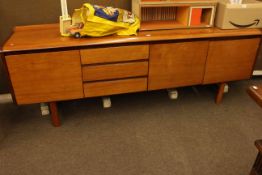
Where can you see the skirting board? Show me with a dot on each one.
(257, 72)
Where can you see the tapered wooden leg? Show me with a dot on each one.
(257, 166)
(54, 114)
(220, 93)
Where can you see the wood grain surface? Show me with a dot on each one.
(104, 88)
(46, 77)
(177, 64)
(114, 54)
(230, 60)
(115, 71)
(47, 36)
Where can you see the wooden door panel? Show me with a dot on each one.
(230, 60)
(177, 64)
(45, 77)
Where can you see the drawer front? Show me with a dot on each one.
(45, 77)
(114, 54)
(115, 87)
(115, 71)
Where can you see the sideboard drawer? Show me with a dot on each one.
(115, 71)
(115, 87)
(114, 54)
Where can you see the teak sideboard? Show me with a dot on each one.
(45, 67)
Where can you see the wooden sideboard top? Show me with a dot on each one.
(39, 37)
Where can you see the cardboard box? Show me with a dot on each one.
(245, 15)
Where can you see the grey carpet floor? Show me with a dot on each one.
(142, 134)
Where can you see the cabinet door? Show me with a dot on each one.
(177, 64)
(230, 60)
(45, 77)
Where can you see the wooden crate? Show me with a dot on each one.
(171, 14)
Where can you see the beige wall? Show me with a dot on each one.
(27, 12)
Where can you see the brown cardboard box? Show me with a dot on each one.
(245, 15)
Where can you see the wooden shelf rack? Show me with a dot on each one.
(170, 14)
